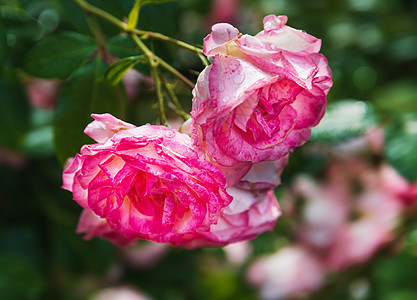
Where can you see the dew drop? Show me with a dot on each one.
(238, 77)
(169, 134)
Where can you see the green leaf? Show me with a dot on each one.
(401, 145)
(85, 92)
(60, 55)
(394, 275)
(144, 2)
(122, 46)
(344, 119)
(14, 110)
(132, 20)
(3, 45)
(117, 70)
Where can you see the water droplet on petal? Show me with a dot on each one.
(169, 134)
(238, 77)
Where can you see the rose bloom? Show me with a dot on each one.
(250, 214)
(261, 95)
(143, 182)
(264, 175)
(246, 175)
(94, 226)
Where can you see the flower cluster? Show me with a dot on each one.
(344, 220)
(212, 184)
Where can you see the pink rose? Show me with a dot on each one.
(104, 127)
(262, 94)
(264, 175)
(145, 182)
(250, 214)
(94, 226)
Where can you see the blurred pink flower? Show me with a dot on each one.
(238, 253)
(409, 197)
(223, 11)
(357, 241)
(131, 81)
(377, 206)
(375, 138)
(42, 93)
(262, 94)
(324, 212)
(11, 158)
(352, 213)
(250, 214)
(146, 182)
(119, 293)
(143, 255)
(287, 273)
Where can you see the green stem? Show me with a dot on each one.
(174, 71)
(154, 60)
(159, 36)
(203, 59)
(145, 34)
(101, 13)
(95, 28)
(177, 107)
(162, 116)
(152, 57)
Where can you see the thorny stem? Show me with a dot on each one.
(101, 13)
(155, 60)
(95, 28)
(162, 116)
(203, 59)
(177, 107)
(174, 71)
(103, 52)
(143, 33)
(159, 36)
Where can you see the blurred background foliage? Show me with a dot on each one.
(371, 48)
